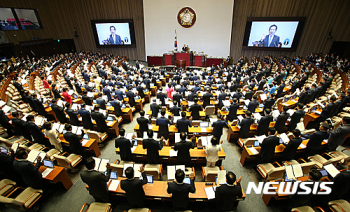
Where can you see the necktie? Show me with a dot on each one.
(270, 40)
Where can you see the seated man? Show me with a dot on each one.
(133, 187)
(315, 139)
(338, 135)
(291, 148)
(179, 191)
(268, 146)
(74, 140)
(226, 194)
(96, 181)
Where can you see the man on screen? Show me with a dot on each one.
(270, 40)
(113, 38)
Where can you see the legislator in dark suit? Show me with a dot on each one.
(267, 150)
(117, 108)
(124, 147)
(245, 127)
(226, 195)
(295, 119)
(281, 121)
(37, 134)
(30, 173)
(315, 141)
(183, 154)
(152, 147)
(263, 125)
(143, 124)
(163, 124)
(59, 111)
(180, 193)
(341, 186)
(100, 120)
(97, 183)
(232, 111)
(253, 105)
(134, 190)
(87, 100)
(73, 117)
(218, 126)
(177, 97)
(86, 117)
(269, 103)
(74, 142)
(56, 93)
(114, 40)
(206, 99)
(155, 109)
(195, 108)
(268, 42)
(21, 128)
(291, 148)
(338, 136)
(183, 124)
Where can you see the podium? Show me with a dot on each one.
(184, 56)
(213, 61)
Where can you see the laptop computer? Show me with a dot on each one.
(86, 136)
(149, 178)
(113, 176)
(3, 150)
(324, 173)
(287, 180)
(187, 180)
(109, 118)
(256, 143)
(48, 163)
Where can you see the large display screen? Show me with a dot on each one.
(113, 33)
(7, 19)
(28, 18)
(273, 34)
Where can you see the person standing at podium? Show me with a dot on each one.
(184, 48)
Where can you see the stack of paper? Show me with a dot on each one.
(284, 138)
(6, 109)
(222, 177)
(46, 172)
(300, 126)
(39, 120)
(33, 154)
(172, 169)
(83, 142)
(113, 185)
(172, 153)
(253, 150)
(330, 168)
(210, 192)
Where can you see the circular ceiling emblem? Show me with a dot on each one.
(186, 17)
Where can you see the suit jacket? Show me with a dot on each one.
(117, 108)
(120, 94)
(183, 155)
(161, 96)
(30, 173)
(100, 120)
(73, 118)
(175, 110)
(274, 42)
(263, 125)
(218, 126)
(180, 193)
(195, 111)
(131, 96)
(125, 148)
(206, 99)
(315, 140)
(59, 111)
(281, 121)
(341, 186)
(134, 190)
(155, 109)
(183, 124)
(249, 95)
(269, 103)
(143, 123)
(253, 105)
(37, 133)
(56, 93)
(302, 97)
(177, 97)
(245, 127)
(226, 195)
(233, 111)
(86, 117)
(295, 119)
(74, 142)
(21, 128)
(338, 136)
(268, 145)
(39, 107)
(116, 40)
(87, 100)
(291, 148)
(152, 147)
(97, 183)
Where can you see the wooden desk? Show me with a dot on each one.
(91, 145)
(127, 114)
(247, 155)
(198, 156)
(59, 174)
(310, 117)
(154, 91)
(139, 104)
(290, 104)
(158, 191)
(147, 97)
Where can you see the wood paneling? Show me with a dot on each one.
(60, 17)
(322, 16)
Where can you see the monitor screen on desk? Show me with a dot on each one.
(3, 150)
(114, 175)
(48, 163)
(187, 180)
(204, 124)
(256, 143)
(86, 136)
(109, 118)
(149, 178)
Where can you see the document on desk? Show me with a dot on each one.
(83, 142)
(284, 138)
(289, 172)
(46, 172)
(133, 149)
(222, 176)
(260, 138)
(253, 150)
(113, 185)
(300, 126)
(171, 172)
(330, 168)
(210, 192)
(110, 123)
(298, 172)
(172, 153)
(302, 146)
(2, 103)
(39, 120)
(6, 109)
